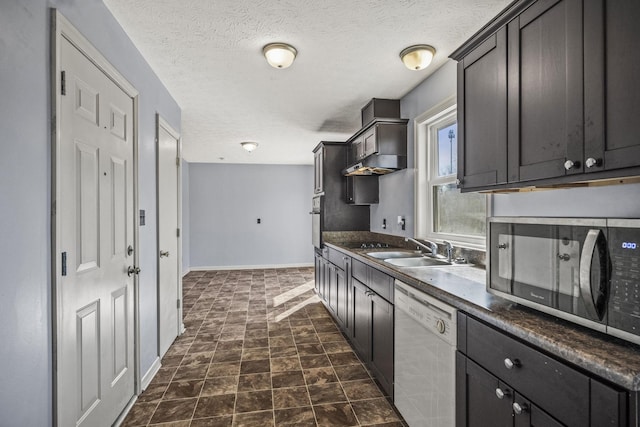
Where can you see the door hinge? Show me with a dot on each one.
(178, 303)
(178, 161)
(63, 258)
(63, 82)
(177, 232)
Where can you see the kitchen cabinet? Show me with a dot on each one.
(545, 105)
(335, 214)
(482, 113)
(362, 190)
(380, 138)
(372, 321)
(612, 95)
(504, 382)
(535, 109)
(338, 301)
(322, 277)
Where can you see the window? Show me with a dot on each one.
(442, 211)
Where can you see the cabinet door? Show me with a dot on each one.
(317, 169)
(332, 298)
(545, 107)
(526, 414)
(612, 95)
(317, 273)
(361, 304)
(382, 341)
(370, 141)
(477, 397)
(342, 297)
(482, 114)
(362, 190)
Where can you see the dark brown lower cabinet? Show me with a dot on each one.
(503, 382)
(491, 403)
(338, 293)
(372, 334)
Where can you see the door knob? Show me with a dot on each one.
(133, 270)
(519, 409)
(500, 394)
(591, 162)
(570, 164)
(510, 364)
(164, 253)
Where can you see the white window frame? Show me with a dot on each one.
(425, 137)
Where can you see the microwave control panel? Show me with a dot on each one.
(624, 298)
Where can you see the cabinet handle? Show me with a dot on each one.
(591, 162)
(570, 164)
(509, 364)
(519, 409)
(500, 394)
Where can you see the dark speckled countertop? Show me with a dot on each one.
(464, 288)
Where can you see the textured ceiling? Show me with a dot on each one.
(208, 53)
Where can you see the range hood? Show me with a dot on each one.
(376, 164)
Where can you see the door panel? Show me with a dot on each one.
(89, 356)
(95, 340)
(88, 205)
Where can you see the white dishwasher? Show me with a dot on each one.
(424, 365)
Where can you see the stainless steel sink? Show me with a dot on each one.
(416, 262)
(392, 254)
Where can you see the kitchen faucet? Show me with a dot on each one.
(430, 246)
(449, 249)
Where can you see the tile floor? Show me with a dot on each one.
(260, 350)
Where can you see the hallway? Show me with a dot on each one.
(259, 350)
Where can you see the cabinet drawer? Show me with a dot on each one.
(337, 258)
(562, 391)
(359, 271)
(381, 283)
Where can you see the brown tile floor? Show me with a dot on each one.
(260, 350)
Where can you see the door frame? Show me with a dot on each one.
(161, 123)
(61, 28)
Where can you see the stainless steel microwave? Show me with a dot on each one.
(586, 270)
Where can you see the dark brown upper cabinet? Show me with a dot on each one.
(482, 113)
(545, 137)
(547, 95)
(612, 91)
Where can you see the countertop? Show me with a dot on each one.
(608, 357)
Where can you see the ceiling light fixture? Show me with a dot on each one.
(249, 145)
(417, 57)
(279, 55)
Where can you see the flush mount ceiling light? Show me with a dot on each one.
(279, 55)
(417, 57)
(249, 145)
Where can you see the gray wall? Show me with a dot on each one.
(25, 172)
(225, 202)
(186, 233)
(397, 189)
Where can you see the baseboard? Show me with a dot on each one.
(184, 273)
(250, 267)
(153, 370)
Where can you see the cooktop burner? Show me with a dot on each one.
(366, 245)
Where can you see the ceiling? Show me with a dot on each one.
(208, 53)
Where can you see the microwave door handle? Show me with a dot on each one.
(586, 259)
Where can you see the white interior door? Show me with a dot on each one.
(169, 262)
(95, 216)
